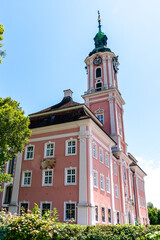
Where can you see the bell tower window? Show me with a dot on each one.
(98, 85)
(98, 72)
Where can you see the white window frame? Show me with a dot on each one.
(101, 73)
(23, 174)
(21, 206)
(108, 216)
(107, 156)
(102, 177)
(96, 205)
(45, 149)
(95, 172)
(45, 202)
(25, 156)
(70, 168)
(108, 179)
(115, 169)
(70, 140)
(104, 214)
(100, 114)
(69, 202)
(43, 177)
(116, 191)
(101, 151)
(94, 144)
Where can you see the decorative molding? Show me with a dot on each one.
(54, 137)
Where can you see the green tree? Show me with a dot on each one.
(14, 133)
(2, 53)
(153, 214)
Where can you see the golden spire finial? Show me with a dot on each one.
(99, 21)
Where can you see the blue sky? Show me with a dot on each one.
(47, 42)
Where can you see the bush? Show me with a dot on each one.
(31, 225)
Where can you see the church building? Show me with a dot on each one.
(76, 159)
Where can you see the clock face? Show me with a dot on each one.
(97, 61)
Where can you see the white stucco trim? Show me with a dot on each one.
(105, 72)
(91, 73)
(54, 137)
(82, 217)
(112, 118)
(130, 189)
(98, 141)
(109, 71)
(88, 76)
(91, 208)
(138, 198)
(122, 190)
(112, 187)
(117, 123)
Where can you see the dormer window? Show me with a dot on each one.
(98, 72)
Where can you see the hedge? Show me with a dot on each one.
(31, 225)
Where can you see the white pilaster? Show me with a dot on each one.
(112, 118)
(91, 209)
(122, 190)
(14, 199)
(105, 72)
(116, 118)
(91, 73)
(112, 71)
(129, 176)
(138, 200)
(112, 188)
(82, 204)
(88, 76)
(109, 71)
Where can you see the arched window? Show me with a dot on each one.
(98, 72)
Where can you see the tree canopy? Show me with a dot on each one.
(153, 214)
(14, 132)
(2, 53)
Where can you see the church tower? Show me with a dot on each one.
(103, 96)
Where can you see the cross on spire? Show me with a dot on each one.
(99, 21)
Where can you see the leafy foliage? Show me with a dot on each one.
(31, 225)
(14, 132)
(2, 53)
(153, 214)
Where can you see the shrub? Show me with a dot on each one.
(31, 225)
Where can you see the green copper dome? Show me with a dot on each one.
(100, 40)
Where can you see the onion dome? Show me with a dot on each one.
(100, 40)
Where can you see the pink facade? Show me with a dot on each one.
(76, 159)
